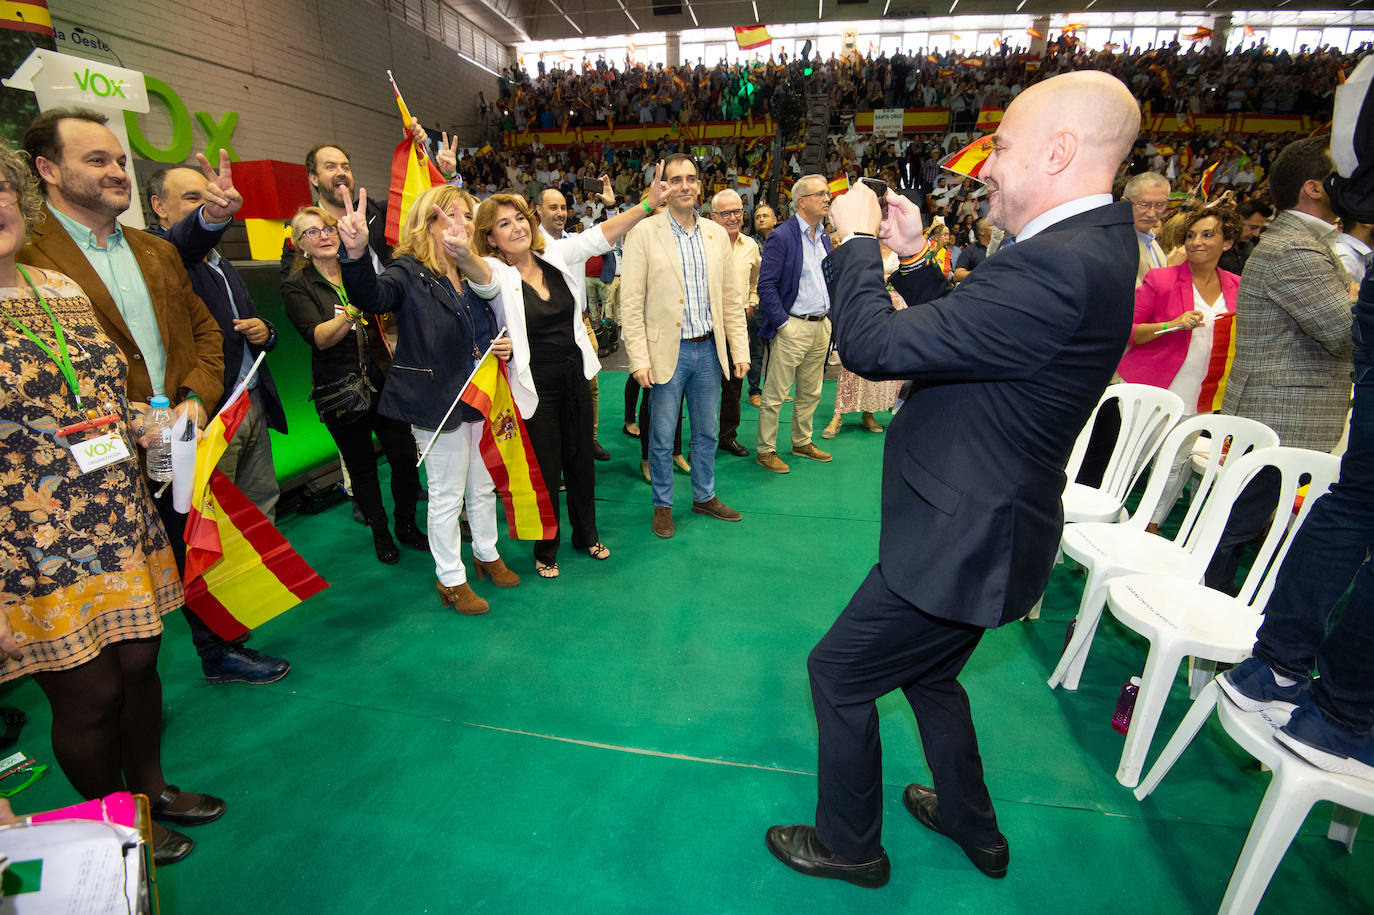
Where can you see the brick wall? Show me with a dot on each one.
(298, 72)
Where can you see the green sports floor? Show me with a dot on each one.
(619, 740)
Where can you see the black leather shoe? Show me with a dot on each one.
(170, 847)
(925, 807)
(236, 664)
(601, 454)
(799, 849)
(735, 448)
(206, 810)
(410, 534)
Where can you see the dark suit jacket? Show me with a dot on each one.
(780, 275)
(212, 291)
(189, 334)
(1005, 369)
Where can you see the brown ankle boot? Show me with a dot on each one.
(496, 570)
(462, 599)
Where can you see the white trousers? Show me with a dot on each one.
(457, 473)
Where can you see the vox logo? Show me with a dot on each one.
(99, 84)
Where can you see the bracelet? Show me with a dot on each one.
(1165, 327)
(647, 209)
(192, 395)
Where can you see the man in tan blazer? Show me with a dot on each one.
(679, 306)
(142, 297)
(1149, 197)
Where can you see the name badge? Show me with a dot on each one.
(100, 451)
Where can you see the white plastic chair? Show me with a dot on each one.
(1106, 550)
(1180, 617)
(1147, 415)
(1295, 787)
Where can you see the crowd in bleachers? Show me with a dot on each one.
(1168, 78)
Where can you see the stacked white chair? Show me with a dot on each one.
(1147, 415)
(1106, 550)
(1295, 787)
(1180, 617)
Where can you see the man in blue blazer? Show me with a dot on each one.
(795, 315)
(1005, 370)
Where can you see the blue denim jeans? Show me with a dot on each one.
(698, 378)
(1331, 548)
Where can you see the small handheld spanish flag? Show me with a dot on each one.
(838, 185)
(509, 454)
(969, 160)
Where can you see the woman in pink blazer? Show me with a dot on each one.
(1183, 325)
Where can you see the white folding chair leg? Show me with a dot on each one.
(1034, 612)
(1197, 716)
(1280, 815)
(1160, 669)
(1090, 608)
(1200, 672)
(1345, 823)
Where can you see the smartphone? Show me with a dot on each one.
(590, 185)
(878, 187)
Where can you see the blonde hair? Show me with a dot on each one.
(325, 217)
(486, 219)
(28, 198)
(415, 238)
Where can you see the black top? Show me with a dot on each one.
(310, 301)
(549, 323)
(971, 256)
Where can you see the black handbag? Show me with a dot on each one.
(348, 398)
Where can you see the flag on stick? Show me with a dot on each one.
(412, 173)
(1204, 186)
(509, 454)
(838, 185)
(240, 570)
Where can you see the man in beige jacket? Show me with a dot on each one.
(679, 305)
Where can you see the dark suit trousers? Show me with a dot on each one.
(878, 644)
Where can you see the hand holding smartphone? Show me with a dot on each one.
(879, 187)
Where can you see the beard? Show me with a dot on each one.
(330, 193)
(96, 195)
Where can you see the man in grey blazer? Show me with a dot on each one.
(1293, 365)
(680, 304)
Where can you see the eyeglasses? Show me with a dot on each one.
(825, 194)
(730, 214)
(320, 232)
(1159, 207)
(9, 193)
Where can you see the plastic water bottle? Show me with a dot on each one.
(158, 429)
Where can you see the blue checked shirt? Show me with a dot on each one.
(696, 307)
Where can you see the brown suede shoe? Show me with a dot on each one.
(716, 509)
(811, 451)
(663, 521)
(496, 570)
(755, 400)
(462, 598)
(769, 460)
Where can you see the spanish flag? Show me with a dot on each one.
(969, 160)
(26, 17)
(989, 118)
(1223, 354)
(485, 150)
(1035, 33)
(240, 571)
(839, 185)
(412, 173)
(508, 453)
(1204, 186)
(751, 36)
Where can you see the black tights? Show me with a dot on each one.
(107, 720)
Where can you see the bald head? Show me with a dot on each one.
(552, 211)
(1059, 140)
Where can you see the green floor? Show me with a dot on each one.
(620, 739)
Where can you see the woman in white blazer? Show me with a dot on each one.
(540, 282)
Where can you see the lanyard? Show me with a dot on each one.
(62, 358)
(353, 313)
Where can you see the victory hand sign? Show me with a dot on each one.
(353, 226)
(222, 199)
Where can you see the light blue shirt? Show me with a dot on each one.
(1147, 239)
(696, 306)
(812, 296)
(123, 278)
(246, 363)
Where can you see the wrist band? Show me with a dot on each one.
(919, 259)
(647, 209)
